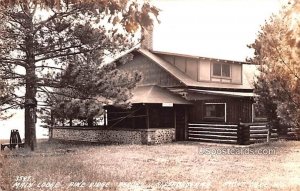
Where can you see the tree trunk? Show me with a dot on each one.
(30, 109)
(31, 83)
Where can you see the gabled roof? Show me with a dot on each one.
(156, 94)
(187, 81)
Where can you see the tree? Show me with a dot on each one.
(6, 99)
(277, 51)
(40, 38)
(87, 86)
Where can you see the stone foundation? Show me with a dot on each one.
(119, 136)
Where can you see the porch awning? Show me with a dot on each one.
(225, 93)
(156, 94)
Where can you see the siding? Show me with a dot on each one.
(152, 74)
(169, 59)
(204, 70)
(236, 109)
(191, 68)
(236, 73)
(200, 69)
(180, 63)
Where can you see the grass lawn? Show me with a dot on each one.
(176, 166)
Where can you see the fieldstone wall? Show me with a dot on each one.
(120, 136)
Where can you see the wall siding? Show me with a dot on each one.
(169, 59)
(204, 71)
(237, 109)
(236, 73)
(180, 63)
(200, 69)
(192, 68)
(152, 74)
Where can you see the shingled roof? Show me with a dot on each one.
(155, 94)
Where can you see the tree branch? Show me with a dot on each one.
(62, 55)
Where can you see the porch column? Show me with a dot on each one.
(147, 117)
(175, 118)
(105, 118)
(186, 136)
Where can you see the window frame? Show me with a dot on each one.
(215, 119)
(221, 76)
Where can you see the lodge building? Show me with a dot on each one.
(183, 98)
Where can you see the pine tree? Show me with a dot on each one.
(40, 38)
(86, 89)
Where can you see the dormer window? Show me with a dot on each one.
(221, 70)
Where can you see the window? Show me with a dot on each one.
(221, 70)
(215, 112)
(217, 69)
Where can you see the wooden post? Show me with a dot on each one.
(147, 117)
(186, 136)
(133, 126)
(239, 134)
(269, 132)
(243, 134)
(175, 125)
(105, 118)
(174, 112)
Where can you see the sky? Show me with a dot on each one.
(209, 28)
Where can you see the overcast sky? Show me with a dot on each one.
(211, 28)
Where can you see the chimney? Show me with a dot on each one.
(147, 38)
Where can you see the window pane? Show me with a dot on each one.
(217, 69)
(210, 110)
(226, 70)
(215, 110)
(220, 110)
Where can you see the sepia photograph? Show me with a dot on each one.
(149, 95)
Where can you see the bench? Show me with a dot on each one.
(15, 140)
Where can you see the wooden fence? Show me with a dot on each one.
(243, 133)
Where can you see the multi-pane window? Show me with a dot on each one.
(221, 70)
(215, 111)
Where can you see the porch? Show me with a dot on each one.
(153, 108)
(156, 116)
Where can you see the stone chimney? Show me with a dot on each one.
(147, 38)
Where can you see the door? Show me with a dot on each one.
(180, 123)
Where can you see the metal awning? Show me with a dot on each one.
(225, 93)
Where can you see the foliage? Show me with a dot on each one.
(277, 51)
(6, 99)
(39, 39)
(87, 86)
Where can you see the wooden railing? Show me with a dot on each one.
(218, 133)
(243, 133)
(259, 132)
